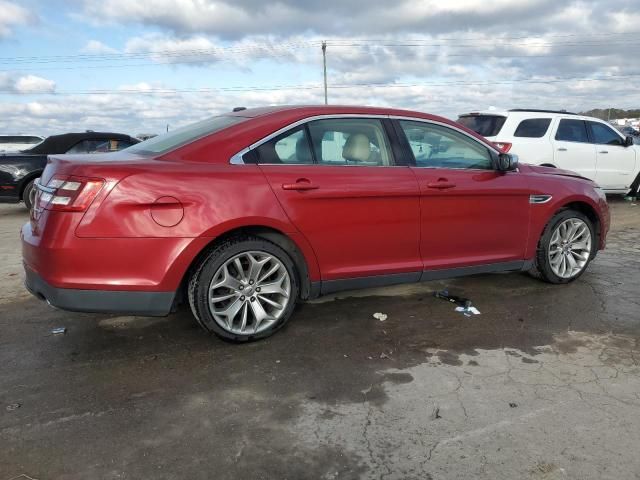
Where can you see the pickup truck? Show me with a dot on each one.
(18, 171)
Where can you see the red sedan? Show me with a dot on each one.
(244, 214)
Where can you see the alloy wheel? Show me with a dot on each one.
(249, 292)
(570, 248)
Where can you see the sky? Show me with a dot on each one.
(148, 66)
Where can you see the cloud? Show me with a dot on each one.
(12, 83)
(96, 46)
(13, 15)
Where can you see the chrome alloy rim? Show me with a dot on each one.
(249, 292)
(569, 248)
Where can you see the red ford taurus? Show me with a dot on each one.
(244, 214)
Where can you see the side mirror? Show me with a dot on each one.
(628, 141)
(507, 162)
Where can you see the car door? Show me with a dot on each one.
(572, 149)
(615, 162)
(471, 214)
(338, 183)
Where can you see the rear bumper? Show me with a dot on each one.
(155, 304)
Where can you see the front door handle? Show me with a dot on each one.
(562, 149)
(441, 185)
(603, 151)
(302, 184)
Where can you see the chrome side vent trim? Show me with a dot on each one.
(539, 198)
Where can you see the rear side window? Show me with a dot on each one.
(572, 131)
(533, 128)
(350, 141)
(485, 125)
(604, 135)
(289, 148)
(182, 136)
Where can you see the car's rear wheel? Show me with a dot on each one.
(566, 247)
(29, 194)
(245, 289)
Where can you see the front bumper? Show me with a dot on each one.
(156, 304)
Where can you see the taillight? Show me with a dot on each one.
(504, 147)
(68, 193)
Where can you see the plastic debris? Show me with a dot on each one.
(464, 304)
(59, 330)
(384, 355)
(380, 316)
(13, 406)
(467, 311)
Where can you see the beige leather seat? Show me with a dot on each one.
(357, 148)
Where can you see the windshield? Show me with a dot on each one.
(181, 136)
(485, 125)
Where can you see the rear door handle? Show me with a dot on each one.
(562, 149)
(441, 185)
(302, 184)
(603, 151)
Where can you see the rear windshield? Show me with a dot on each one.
(21, 139)
(485, 125)
(182, 136)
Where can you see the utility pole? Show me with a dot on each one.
(324, 65)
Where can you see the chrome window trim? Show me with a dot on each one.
(237, 158)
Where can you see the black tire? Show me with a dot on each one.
(634, 191)
(200, 280)
(543, 268)
(26, 194)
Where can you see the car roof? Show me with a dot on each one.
(62, 143)
(265, 121)
(310, 110)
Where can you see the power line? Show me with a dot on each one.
(320, 86)
(284, 46)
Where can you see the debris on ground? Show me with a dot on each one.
(464, 304)
(436, 413)
(467, 311)
(384, 355)
(13, 406)
(513, 404)
(59, 330)
(380, 316)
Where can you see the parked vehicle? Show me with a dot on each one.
(586, 145)
(16, 143)
(244, 214)
(18, 171)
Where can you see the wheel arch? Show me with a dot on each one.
(589, 211)
(305, 266)
(25, 181)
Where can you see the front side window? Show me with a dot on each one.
(604, 135)
(436, 146)
(533, 128)
(572, 131)
(350, 141)
(290, 148)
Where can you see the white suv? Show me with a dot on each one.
(584, 145)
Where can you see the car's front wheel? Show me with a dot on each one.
(245, 289)
(566, 247)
